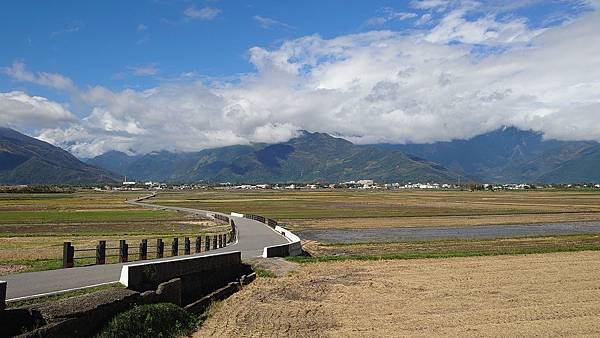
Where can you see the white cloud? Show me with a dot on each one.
(268, 23)
(144, 70)
(389, 14)
(378, 86)
(425, 18)
(73, 28)
(431, 4)
(21, 110)
(484, 30)
(204, 14)
(19, 72)
(141, 27)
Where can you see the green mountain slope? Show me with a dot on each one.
(309, 157)
(510, 155)
(26, 160)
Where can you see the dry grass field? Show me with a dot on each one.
(548, 295)
(302, 210)
(33, 227)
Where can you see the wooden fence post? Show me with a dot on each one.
(232, 230)
(68, 255)
(186, 246)
(175, 247)
(144, 249)
(198, 244)
(123, 251)
(2, 295)
(160, 248)
(207, 243)
(101, 252)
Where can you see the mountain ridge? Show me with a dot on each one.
(26, 160)
(308, 157)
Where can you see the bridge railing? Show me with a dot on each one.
(143, 250)
(270, 222)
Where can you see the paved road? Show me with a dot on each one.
(437, 233)
(253, 236)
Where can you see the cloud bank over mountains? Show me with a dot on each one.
(464, 69)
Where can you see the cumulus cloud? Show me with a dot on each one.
(18, 109)
(379, 86)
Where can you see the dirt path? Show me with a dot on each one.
(542, 295)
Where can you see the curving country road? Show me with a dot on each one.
(253, 236)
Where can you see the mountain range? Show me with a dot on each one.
(26, 160)
(307, 158)
(503, 156)
(512, 155)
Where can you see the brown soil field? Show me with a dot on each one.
(528, 295)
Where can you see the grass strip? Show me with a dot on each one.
(59, 296)
(442, 254)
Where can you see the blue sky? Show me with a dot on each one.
(94, 63)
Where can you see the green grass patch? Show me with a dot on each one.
(441, 254)
(65, 295)
(264, 273)
(58, 216)
(32, 265)
(156, 320)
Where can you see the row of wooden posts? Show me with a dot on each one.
(208, 243)
(270, 222)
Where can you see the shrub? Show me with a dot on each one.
(155, 320)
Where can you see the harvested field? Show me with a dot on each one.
(529, 295)
(352, 209)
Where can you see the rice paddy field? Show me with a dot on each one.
(33, 227)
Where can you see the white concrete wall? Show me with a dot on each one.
(294, 245)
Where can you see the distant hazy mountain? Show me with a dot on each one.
(513, 155)
(309, 157)
(26, 160)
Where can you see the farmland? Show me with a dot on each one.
(525, 295)
(359, 210)
(368, 209)
(34, 226)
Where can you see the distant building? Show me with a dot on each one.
(365, 183)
